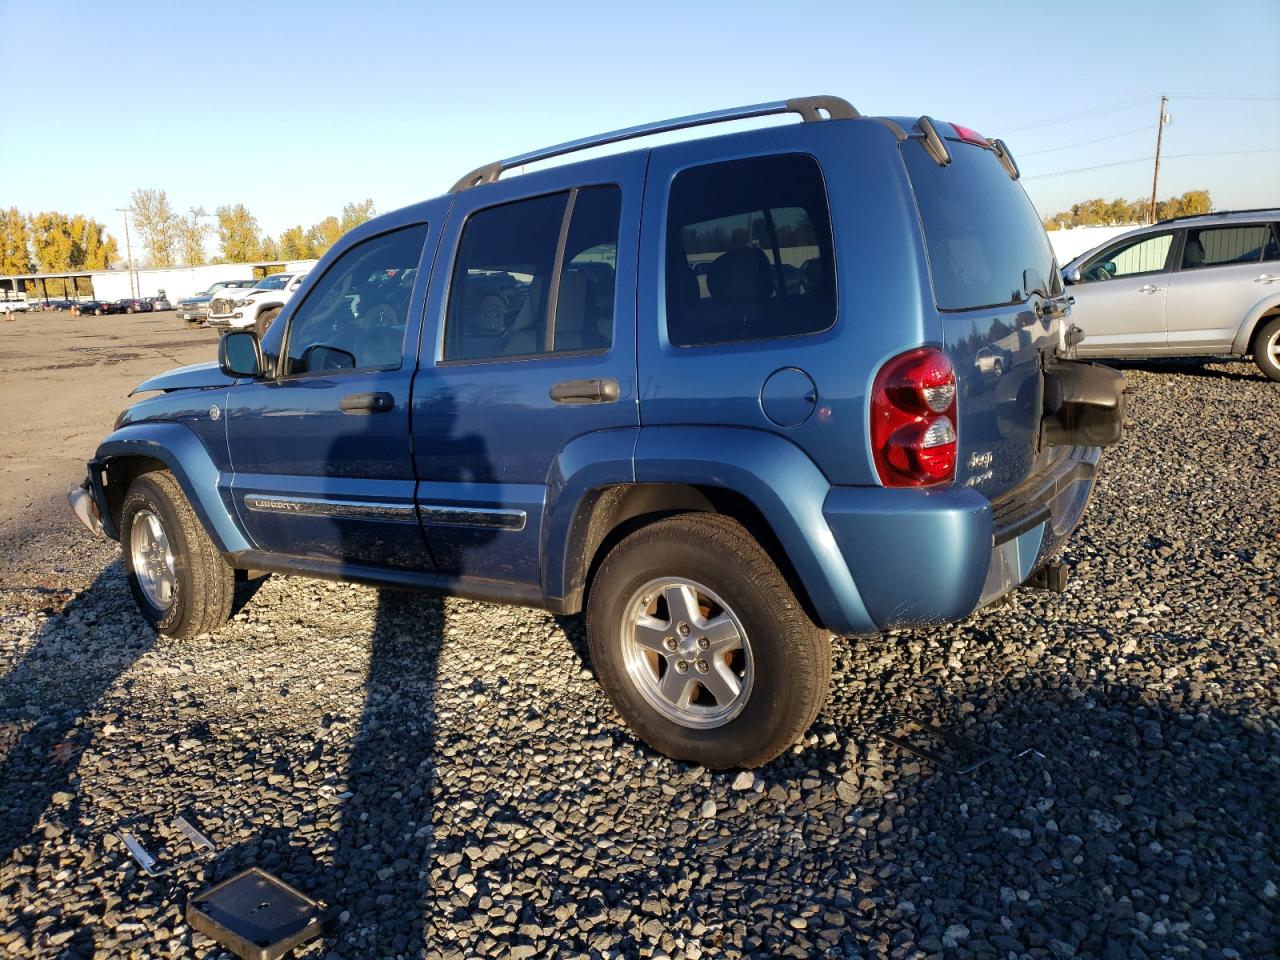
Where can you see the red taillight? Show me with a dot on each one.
(969, 134)
(913, 419)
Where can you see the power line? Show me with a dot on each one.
(1167, 156)
(1207, 96)
(1096, 166)
(1081, 143)
(1078, 115)
(1125, 104)
(1221, 153)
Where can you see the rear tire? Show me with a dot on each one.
(1266, 349)
(264, 321)
(181, 583)
(706, 571)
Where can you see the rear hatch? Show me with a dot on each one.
(991, 264)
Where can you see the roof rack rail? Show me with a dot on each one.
(1221, 213)
(810, 109)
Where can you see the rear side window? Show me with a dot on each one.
(749, 252)
(986, 244)
(1220, 246)
(536, 277)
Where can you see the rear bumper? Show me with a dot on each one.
(927, 557)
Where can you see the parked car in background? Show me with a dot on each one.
(721, 478)
(159, 303)
(1191, 286)
(13, 302)
(256, 307)
(133, 305)
(96, 308)
(195, 309)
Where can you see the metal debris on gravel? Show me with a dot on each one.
(450, 774)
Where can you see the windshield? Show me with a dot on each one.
(986, 244)
(276, 281)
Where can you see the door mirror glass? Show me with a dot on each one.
(240, 355)
(319, 357)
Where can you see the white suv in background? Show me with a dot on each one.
(257, 306)
(1191, 286)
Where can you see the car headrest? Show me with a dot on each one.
(1193, 254)
(740, 277)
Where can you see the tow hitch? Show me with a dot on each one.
(1052, 576)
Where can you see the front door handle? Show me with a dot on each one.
(1266, 278)
(1148, 288)
(361, 403)
(586, 391)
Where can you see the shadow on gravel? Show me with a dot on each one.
(1213, 368)
(1112, 821)
(46, 699)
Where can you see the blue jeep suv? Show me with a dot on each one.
(727, 396)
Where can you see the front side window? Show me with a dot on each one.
(273, 282)
(354, 318)
(535, 277)
(1144, 255)
(749, 252)
(1221, 246)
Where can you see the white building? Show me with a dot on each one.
(174, 283)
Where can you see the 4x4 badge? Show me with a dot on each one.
(214, 412)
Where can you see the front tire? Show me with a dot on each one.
(701, 645)
(264, 321)
(1266, 349)
(179, 580)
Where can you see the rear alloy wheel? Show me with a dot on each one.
(97, 313)
(264, 321)
(701, 645)
(1266, 349)
(179, 580)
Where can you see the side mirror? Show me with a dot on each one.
(319, 357)
(1071, 276)
(240, 354)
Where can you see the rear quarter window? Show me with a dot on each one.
(749, 252)
(985, 241)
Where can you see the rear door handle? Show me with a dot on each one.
(360, 403)
(586, 391)
(1148, 288)
(1266, 278)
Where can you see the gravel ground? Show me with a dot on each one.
(449, 778)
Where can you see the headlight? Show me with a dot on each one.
(243, 303)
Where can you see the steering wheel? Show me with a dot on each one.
(383, 315)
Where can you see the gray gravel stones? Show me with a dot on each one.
(450, 779)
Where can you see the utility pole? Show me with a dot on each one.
(1155, 177)
(128, 247)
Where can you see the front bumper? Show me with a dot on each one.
(930, 557)
(89, 503)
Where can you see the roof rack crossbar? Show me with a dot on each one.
(810, 109)
(1220, 213)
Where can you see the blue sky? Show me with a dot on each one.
(331, 102)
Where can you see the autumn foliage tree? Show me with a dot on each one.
(157, 225)
(1099, 212)
(238, 234)
(15, 242)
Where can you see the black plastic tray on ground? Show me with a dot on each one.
(255, 915)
